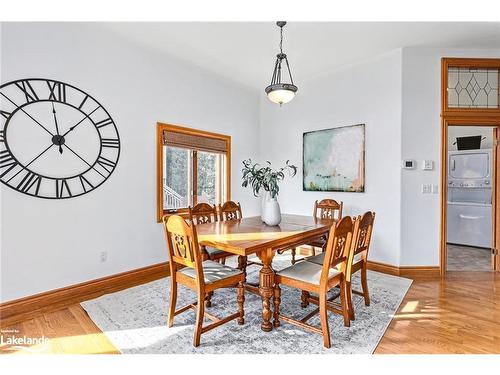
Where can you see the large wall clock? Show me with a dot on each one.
(56, 141)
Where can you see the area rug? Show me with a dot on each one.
(135, 319)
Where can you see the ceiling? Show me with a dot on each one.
(245, 51)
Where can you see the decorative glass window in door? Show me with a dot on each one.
(473, 88)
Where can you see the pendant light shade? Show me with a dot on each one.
(281, 90)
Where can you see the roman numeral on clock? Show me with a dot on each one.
(6, 161)
(5, 114)
(2, 135)
(62, 189)
(83, 102)
(103, 123)
(111, 143)
(57, 91)
(85, 184)
(30, 180)
(28, 91)
(106, 164)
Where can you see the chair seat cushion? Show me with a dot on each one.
(307, 272)
(318, 242)
(357, 258)
(213, 251)
(212, 271)
(319, 259)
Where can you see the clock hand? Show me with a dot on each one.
(35, 158)
(82, 159)
(79, 122)
(57, 127)
(27, 114)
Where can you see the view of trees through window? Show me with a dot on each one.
(179, 181)
(207, 164)
(177, 185)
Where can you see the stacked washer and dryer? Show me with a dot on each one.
(469, 211)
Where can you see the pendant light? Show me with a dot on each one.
(281, 90)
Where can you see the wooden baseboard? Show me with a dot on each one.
(404, 271)
(383, 268)
(23, 308)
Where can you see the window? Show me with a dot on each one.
(472, 88)
(193, 167)
(470, 85)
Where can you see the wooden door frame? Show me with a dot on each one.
(489, 117)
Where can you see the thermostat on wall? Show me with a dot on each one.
(409, 164)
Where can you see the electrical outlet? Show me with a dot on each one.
(103, 256)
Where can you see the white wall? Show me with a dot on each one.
(368, 93)
(421, 134)
(48, 244)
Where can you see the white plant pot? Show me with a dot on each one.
(264, 197)
(271, 213)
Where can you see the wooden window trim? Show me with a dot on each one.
(160, 128)
(447, 62)
(466, 117)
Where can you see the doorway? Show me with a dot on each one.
(470, 164)
(469, 224)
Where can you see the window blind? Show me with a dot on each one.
(195, 142)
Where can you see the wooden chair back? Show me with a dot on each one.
(364, 234)
(230, 211)
(328, 209)
(202, 213)
(339, 249)
(182, 243)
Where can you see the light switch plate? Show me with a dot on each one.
(426, 188)
(428, 165)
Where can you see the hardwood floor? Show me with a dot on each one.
(68, 330)
(460, 314)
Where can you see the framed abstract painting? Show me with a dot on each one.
(334, 159)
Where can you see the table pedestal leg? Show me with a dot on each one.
(266, 287)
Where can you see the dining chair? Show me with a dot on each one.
(360, 262)
(232, 211)
(203, 213)
(319, 279)
(325, 209)
(360, 258)
(188, 268)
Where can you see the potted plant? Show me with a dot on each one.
(266, 179)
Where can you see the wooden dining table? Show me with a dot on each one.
(250, 235)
